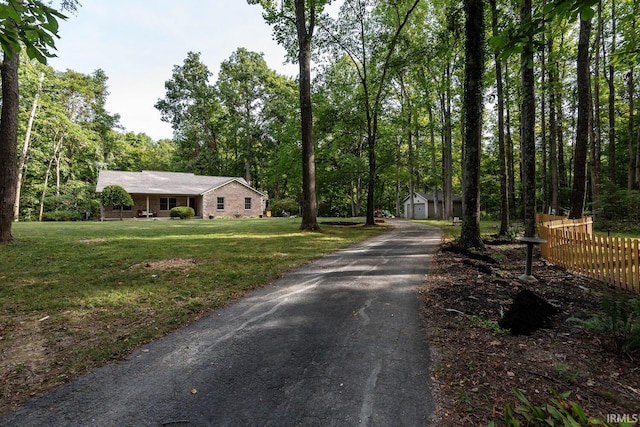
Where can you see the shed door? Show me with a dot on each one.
(419, 211)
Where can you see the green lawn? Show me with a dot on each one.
(92, 291)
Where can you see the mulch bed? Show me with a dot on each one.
(476, 364)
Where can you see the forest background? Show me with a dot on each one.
(391, 69)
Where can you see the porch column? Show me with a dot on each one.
(147, 207)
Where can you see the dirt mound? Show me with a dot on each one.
(528, 313)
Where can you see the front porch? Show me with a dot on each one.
(153, 207)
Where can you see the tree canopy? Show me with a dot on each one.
(34, 25)
(389, 109)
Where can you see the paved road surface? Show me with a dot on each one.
(339, 342)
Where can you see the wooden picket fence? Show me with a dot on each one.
(572, 245)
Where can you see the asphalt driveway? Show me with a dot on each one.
(339, 342)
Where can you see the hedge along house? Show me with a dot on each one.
(155, 193)
(430, 205)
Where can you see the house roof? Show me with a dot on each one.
(431, 196)
(170, 183)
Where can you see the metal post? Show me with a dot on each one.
(529, 241)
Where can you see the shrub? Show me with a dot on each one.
(182, 212)
(62, 215)
(115, 195)
(281, 206)
(59, 203)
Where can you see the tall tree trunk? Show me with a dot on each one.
(398, 186)
(474, 71)
(543, 131)
(371, 181)
(434, 173)
(553, 129)
(58, 160)
(562, 166)
(596, 146)
(612, 99)
(248, 145)
(638, 159)
(447, 161)
(407, 112)
(354, 196)
(527, 128)
(8, 142)
(631, 134)
(511, 167)
(417, 150)
(583, 124)
(25, 148)
(309, 200)
(504, 197)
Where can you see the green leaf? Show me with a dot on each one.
(510, 418)
(498, 42)
(8, 12)
(569, 421)
(578, 412)
(36, 25)
(587, 13)
(565, 395)
(520, 395)
(51, 25)
(554, 412)
(548, 8)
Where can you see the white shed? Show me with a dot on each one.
(425, 205)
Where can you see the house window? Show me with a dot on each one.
(167, 203)
(221, 203)
(247, 203)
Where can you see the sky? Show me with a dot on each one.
(137, 43)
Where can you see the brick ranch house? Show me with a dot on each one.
(155, 193)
